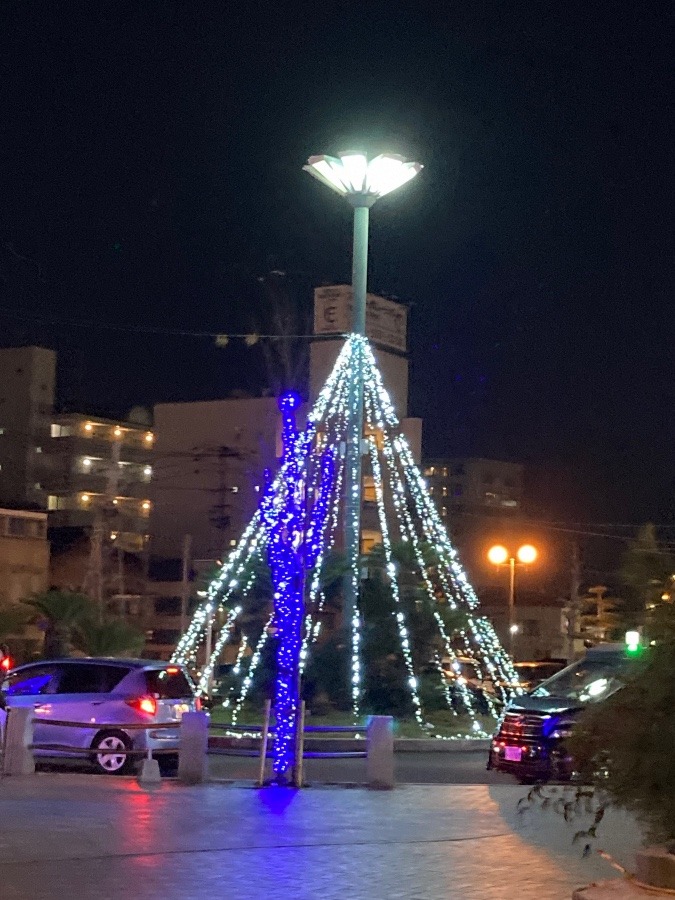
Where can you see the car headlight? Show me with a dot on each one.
(562, 732)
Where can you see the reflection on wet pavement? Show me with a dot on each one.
(105, 838)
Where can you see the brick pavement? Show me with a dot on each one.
(85, 837)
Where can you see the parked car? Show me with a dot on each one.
(531, 674)
(530, 740)
(463, 670)
(107, 694)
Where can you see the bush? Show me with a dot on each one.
(625, 746)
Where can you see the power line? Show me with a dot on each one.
(252, 337)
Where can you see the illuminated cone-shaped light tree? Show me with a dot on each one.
(295, 529)
(317, 491)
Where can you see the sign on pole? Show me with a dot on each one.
(386, 320)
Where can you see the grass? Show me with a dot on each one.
(443, 722)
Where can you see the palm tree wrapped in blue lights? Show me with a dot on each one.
(295, 530)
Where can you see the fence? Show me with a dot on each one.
(18, 745)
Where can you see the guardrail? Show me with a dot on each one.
(18, 745)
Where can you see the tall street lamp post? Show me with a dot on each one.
(500, 556)
(361, 182)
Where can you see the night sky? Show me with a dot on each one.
(150, 170)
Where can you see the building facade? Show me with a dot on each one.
(73, 465)
(94, 467)
(211, 459)
(24, 554)
(24, 570)
(27, 390)
(471, 484)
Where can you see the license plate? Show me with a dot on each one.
(179, 709)
(513, 754)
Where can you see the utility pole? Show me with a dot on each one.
(185, 582)
(573, 610)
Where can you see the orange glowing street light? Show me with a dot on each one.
(500, 556)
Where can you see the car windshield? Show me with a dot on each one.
(535, 672)
(586, 681)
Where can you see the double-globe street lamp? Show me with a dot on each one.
(361, 181)
(500, 556)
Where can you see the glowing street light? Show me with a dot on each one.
(361, 182)
(500, 556)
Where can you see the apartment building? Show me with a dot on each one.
(93, 465)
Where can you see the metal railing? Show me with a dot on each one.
(265, 732)
(22, 740)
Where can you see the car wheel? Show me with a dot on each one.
(110, 756)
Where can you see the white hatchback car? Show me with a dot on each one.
(107, 695)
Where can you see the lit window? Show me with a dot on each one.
(38, 449)
(233, 542)
(444, 491)
(445, 471)
(55, 430)
(431, 471)
(444, 510)
(52, 502)
(147, 471)
(431, 490)
(2, 430)
(235, 489)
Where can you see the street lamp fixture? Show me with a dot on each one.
(354, 176)
(361, 182)
(500, 556)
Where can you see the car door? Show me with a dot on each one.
(80, 697)
(33, 687)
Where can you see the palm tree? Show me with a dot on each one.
(63, 611)
(112, 638)
(13, 619)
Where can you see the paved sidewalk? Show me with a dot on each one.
(87, 837)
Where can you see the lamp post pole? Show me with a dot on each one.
(512, 604)
(352, 523)
(361, 181)
(500, 556)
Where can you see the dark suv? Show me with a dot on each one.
(530, 740)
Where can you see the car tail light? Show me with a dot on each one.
(173, 670)
(198, 704)
(6, 663)
(147, 705)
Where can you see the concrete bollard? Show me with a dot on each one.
(380, 746)
(194, 741)
(18, 757)
(149, 773)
